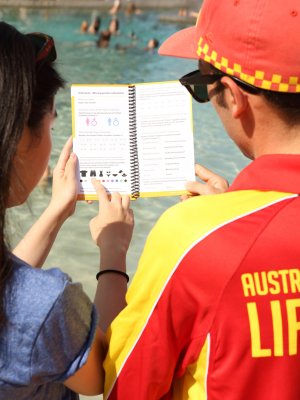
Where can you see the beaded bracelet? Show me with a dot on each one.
(114, 271)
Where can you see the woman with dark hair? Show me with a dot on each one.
(51, 340)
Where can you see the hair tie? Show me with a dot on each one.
(113, 271)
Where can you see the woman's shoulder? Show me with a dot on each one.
(46, 284)
(32, 293)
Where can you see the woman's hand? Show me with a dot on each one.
(64, 187)
(112, 228)
(212, 183)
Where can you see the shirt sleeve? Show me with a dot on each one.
(148, 336)
(65, 337)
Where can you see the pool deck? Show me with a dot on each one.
(96, 4)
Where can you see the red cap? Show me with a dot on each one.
(257, 41)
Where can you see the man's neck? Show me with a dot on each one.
(274, 140)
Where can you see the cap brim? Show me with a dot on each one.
(181, 44)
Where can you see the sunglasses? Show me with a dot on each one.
(44, 47)
(196, 84)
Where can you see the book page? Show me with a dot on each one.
(164, 138)
(101, 137)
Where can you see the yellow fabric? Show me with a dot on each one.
(193, 384)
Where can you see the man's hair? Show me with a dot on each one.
(286, 104)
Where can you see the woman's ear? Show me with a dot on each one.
(237, 98)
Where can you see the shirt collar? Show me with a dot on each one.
(275, 172)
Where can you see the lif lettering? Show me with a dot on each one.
(293, 325)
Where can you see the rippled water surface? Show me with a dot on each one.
(81, 62)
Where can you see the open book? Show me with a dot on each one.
(136, 139)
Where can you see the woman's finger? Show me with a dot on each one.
(116, 197)
(65, 154)
(70, 168)
(101, 192)
(126, 202)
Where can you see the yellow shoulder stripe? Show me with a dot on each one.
(177, 231)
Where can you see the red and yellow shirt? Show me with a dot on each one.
(214, 308)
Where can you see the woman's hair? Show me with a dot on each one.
(27, 91)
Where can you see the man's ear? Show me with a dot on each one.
(237, 99)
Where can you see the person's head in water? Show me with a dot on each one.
(84, 26)
(152, 44)
(104, 39)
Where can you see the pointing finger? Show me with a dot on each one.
(101, 191)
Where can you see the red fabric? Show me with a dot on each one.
(206, 296)
(258, 35)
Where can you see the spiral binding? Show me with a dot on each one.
(134, 162)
